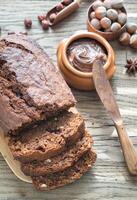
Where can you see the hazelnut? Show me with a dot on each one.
(92, 15)
(97, 4)
(45, 24)
(105, 23)
(115, 27)
(131, 28)
(107, 30)
(96, 23)
(52, 17)
(67, 2)
(125, 39)
(119, 11)
(122, 18)
(133, 41)
(107, 4)
(59, 7)
(28, 23)
(117, 4)
(100, 12)
(41, 18)
(112, 14)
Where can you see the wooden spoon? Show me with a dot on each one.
(106, 95)
(63, 13)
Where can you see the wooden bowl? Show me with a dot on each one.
(107, 35)
(75, 78)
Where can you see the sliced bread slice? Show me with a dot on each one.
(67, 176)
(48, 138)
(62, 161)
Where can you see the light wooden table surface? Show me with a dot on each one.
(109, 178)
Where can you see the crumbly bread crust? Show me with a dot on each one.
(31, 87)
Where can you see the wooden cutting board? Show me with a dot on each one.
(8, 157)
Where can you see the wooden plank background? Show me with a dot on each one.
(109, 178)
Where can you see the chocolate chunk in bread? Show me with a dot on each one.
(48, 138)
(62, 161)
(67, 176)
(31, 87)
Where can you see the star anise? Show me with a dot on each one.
(131, 66)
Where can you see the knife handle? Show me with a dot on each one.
(129, 151)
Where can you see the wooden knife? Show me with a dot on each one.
(106, 95)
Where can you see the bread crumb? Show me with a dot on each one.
(48, 160)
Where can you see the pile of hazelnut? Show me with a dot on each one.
(107, 15)
(47, 20)
(129, 38)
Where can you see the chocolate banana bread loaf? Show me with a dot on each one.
(48, 138)
(31, 87)
(62, 161)
(67, 176)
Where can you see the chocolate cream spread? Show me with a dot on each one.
(83, 52)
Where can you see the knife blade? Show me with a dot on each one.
(105, 92)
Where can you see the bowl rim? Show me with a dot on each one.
(82, 35)
(101, 32)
